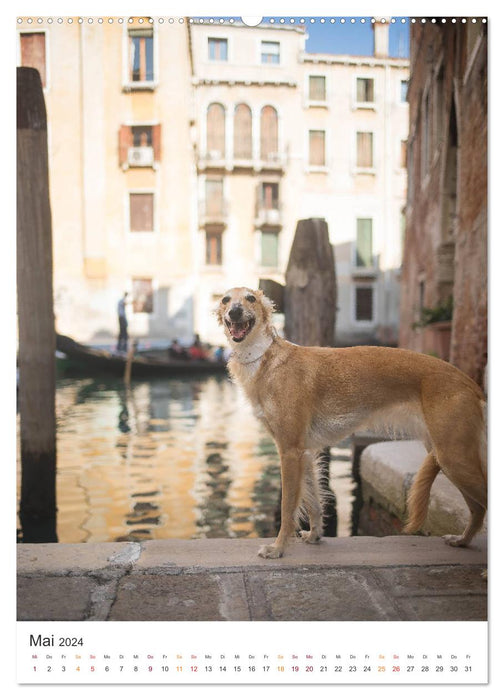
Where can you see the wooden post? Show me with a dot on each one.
(37, 340)
(310, 286)
(310, 314)
(129, 362)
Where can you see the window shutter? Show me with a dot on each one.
(317, 88)
(216, 129)
(33, 53)
(364, 243)
(214, 190)
(141, 212)
(125, 142)
(364, 150)
(156, 141)
(269, 132)
(317, 147)
(242, 132)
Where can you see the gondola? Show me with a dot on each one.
(144, 363)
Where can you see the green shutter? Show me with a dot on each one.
(269, 249)
(364, 243)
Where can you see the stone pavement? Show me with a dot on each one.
(355, 578)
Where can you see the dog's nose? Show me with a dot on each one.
(236, 312)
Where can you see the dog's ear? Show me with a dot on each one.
(217, 311)
(267, 304)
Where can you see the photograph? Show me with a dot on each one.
(251, 346)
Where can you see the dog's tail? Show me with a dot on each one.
(418, 496)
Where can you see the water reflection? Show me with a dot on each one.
(169, 458)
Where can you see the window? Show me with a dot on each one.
(269, 133)
(213, 247)
(139, 145)
(364, 149)
(317, 148)
(142, 136)
(269, 195)
(141, 55)
(317, 88)
(216, 131)
(33, 53)
(404, 90)
(364, 298)
(242, 146)
(364, 246)
(217, 49)
(365, 90)
(143, 295)
(214, 197)
(270, 52)
(141, 207)
(269, 249)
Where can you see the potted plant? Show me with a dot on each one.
(436, 324)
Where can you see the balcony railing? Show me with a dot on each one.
(213, 213)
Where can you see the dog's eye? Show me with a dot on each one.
(225, 300)
(251, 298)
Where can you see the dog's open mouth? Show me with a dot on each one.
(239, 331)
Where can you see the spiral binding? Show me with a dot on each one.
(273, 20)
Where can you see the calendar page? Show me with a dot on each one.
(180, 522)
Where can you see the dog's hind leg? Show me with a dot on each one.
(476, 521)
(465, 470)
(312, 500)
(292, 467)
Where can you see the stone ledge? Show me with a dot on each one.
(387, 470)
(175, 556)
(357, 578)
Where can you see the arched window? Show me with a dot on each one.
(269, 133)
(216, 131)
(242, 132)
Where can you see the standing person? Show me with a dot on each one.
(122, 341)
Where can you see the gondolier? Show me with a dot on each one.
(122, 341)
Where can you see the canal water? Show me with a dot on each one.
(170, 458)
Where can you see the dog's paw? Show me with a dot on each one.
(455, 540)
(310, 536)
(270, 551)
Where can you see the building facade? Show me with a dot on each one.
(182, 154)
(445, 261)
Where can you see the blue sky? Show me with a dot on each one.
(355, 38)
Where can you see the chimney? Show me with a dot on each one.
(381, 37)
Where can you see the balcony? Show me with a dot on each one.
(213, 214)
(267, 217)
(211, 160)
(276, 160)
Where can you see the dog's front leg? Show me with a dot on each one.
(292, 476)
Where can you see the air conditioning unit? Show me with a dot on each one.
(141, 156)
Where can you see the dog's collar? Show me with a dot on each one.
(235, 355)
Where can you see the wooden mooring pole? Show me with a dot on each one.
(37, 340)
(310, 297)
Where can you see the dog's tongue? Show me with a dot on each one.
(238, 330)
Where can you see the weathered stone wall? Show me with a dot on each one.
(446, 214)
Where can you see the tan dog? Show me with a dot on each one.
(313, 397)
